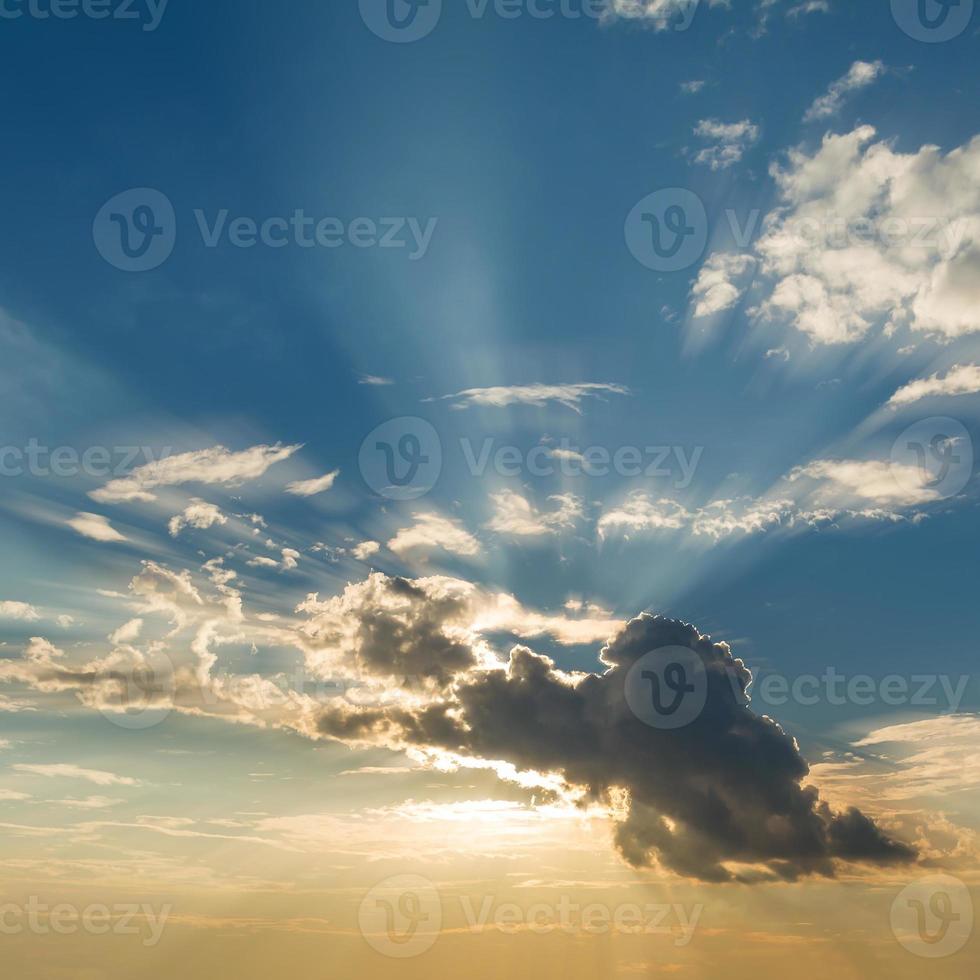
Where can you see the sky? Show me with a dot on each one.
(489, 485)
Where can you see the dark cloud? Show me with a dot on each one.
(728, 788)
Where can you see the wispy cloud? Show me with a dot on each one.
(961, 379)
(727, 142)
(860, 75)
(216, 465)
(68, 771)
(96, 527)
(310, 488)
(536, 395)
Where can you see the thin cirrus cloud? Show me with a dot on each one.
(68, 771)
(860, 75)
(96, 528)
(536, 395)
(216, 465)
(310, 488)
(961, 379)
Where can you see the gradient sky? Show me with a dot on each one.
(773, 389)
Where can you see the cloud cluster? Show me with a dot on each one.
(535, 395)
(866, 237)
(720, 799)
(727, 142)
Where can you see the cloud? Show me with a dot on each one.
(860, 75)
(365, 550)
(96, 527)
(22, 611)
(865, 237)
(515, 515)
(537, 395)
(728, 142)
(692, 87)
(431, 531)
(961, 379)
(197, 514)
(885, 484)
(127, 633)
(726, 790)
(309, 488)
(718, 285)
(67, 771)
(216, 465)
(290, 560)
(375, 380)
(660, 15)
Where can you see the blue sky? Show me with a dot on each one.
(777, 388)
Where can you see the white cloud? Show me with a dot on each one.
(67, 771)
(660, 15)
(309, 488)
(728, 142)
(516, 515)
(537, 395)
(692, 87)
(881, 483)
(866, 237)
(860, 75)
(289, 561)
(961, 379)
(127, 633)
(96, 527)
(431, 531)
(216, 465)
(365, 549)
(720, 283)
(199, 514)
(375, 380)
(22, 611)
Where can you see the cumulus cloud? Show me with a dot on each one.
(365, 550)
(720, 283)
(22, 611)
(727, 142)
(96, 527)
(961, 379)
(866, 237)
(431, 532)
(309, 488)
(860, 75)
(705, 800)
(536, 395)
(216, 465)
(199, 514)
(515, 515)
